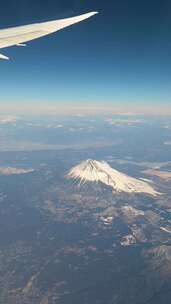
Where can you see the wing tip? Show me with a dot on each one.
(92, 13)
(86, 15)
(96, 12)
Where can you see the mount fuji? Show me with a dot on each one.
(100, 171)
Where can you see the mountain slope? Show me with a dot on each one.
(100, 171)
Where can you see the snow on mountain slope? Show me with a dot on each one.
(100, 171)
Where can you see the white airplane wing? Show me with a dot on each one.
(21, 34)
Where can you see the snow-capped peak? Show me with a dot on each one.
(100, 171)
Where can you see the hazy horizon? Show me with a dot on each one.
(38, 108)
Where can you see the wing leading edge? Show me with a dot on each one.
(22, 34)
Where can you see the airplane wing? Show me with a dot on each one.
(21, 34)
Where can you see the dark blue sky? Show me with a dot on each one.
(122, 55)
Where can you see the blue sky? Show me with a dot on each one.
(121, 56)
